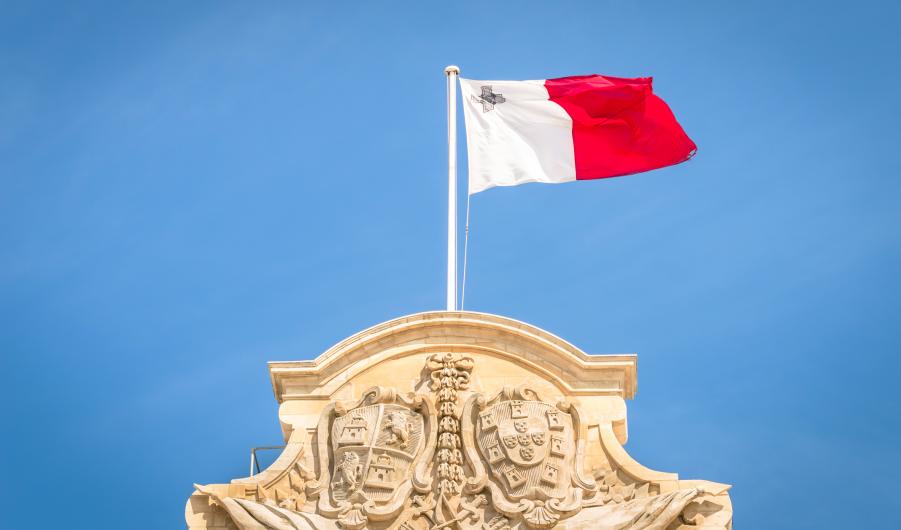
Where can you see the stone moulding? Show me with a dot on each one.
(436, 331)
(457, 420)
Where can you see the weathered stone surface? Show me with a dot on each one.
(457, 420)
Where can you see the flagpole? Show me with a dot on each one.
(451, 72)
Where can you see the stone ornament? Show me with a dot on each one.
(449, 374)
(526, 451)
(369, 460)
(458, 448)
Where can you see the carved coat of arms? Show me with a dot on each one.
(371, 456)
(411, 461)
(527, 452)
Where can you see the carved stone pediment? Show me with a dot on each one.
(457, 421)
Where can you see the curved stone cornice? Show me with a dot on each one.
(573, 371)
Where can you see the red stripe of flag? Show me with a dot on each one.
(619, 126)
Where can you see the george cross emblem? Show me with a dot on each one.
(488, 99)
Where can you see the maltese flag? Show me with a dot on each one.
(570, 128)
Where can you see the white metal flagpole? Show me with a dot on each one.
(452, 72)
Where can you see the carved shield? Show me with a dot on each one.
(373, 449)
(537, 444)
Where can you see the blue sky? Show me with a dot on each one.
(191, 189)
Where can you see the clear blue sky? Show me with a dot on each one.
(191, 189)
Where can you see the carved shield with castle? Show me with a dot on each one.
(528, 445)
(528, 454)
(371, 455)
(374, 447)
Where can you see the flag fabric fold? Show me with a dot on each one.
(565, 129)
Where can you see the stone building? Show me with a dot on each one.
(463, 421)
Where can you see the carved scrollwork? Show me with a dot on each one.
(614, 489)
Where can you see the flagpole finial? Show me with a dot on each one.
(452, 69)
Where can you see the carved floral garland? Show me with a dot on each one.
(449, 373)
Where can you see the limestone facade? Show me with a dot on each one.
(457, 420)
